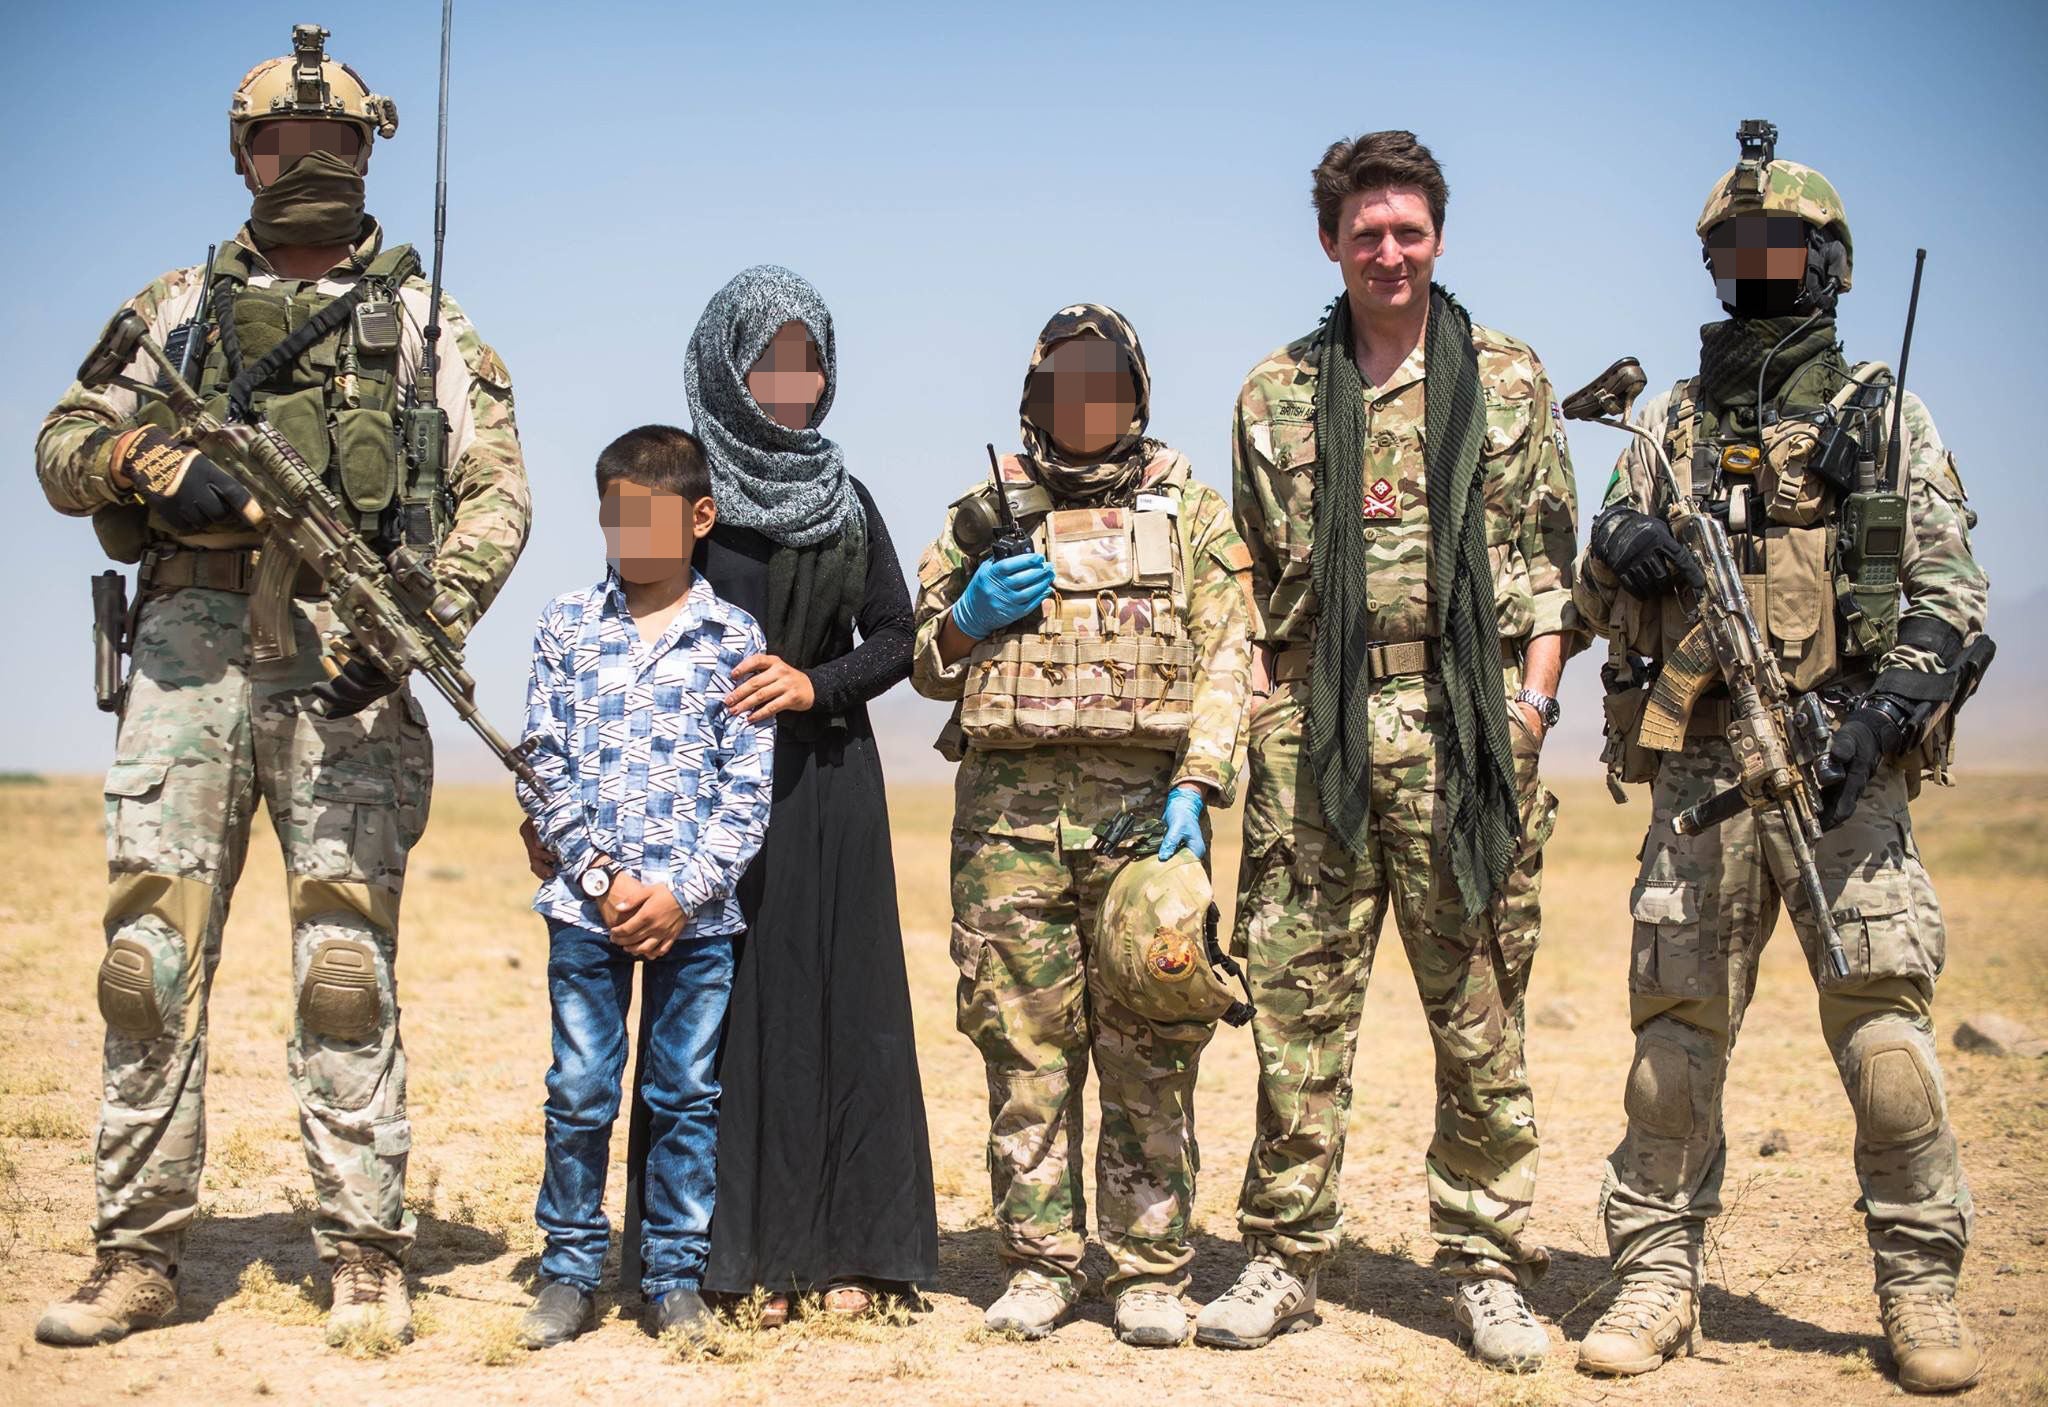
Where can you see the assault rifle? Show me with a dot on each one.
(392, 608)
(1780, 744)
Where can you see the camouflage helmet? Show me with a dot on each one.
(1155, 947)
(1781, 188)
(306, 83)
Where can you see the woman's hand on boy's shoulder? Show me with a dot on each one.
(772, 685)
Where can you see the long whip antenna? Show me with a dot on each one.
(430, 358)
(1891, 449)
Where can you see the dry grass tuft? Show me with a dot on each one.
(262, 1294)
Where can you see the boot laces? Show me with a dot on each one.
(1640, 1305)
(109, 1267)
(1926, 1320)
(360, 1280)
(1495, 1301)
(1259, 1278)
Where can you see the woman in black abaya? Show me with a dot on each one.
(824, 1168)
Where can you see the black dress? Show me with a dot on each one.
(824, 1166)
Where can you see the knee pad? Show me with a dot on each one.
(341, 998)
(1898, 1099)
(1659, 1095)
(127, 991)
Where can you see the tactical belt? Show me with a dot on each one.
(1294, 660)
(172, 568)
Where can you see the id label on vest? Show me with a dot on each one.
(1157, 503)
(1382, 503)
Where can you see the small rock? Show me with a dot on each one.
(446, 873)
(1992, 1034)
(2007, 1270)
(2010, 1312)
(1559, 1015)
(1775, 1142)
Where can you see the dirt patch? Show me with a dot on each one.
(1789, 1308)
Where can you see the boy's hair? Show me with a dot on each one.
(660, 457)
(1374, 162)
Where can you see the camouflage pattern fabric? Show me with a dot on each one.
(1027, 893)
(1024, 931)
(1531, 499)
(1309, 919)
(1788, 189)
(1061, 791)
(205, 734)
(1309, 916)
(486, 473)
(1704, 906)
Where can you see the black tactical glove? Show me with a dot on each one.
(1875, 731)
(354, 687)
(182, 486)
(1643, 552)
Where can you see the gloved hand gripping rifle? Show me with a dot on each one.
(392, 608)
(1780, 744)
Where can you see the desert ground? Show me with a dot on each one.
(1788, 1310)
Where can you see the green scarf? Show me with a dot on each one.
(1482, 821)
(1805, 372)
(814, 591)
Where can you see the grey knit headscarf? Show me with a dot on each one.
(790, 485)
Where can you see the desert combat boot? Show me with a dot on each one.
(1933, 1349)
(1495, 1322)
(1648, 1322)
(1151, 1316)
(370, 1299)
(1031, 1308)
(1267, 1300)
(125, 1292)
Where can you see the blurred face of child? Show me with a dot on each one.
(649, 534)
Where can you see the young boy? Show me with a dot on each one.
(656, 797)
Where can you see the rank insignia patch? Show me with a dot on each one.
(1381, 502)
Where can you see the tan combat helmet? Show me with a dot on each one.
(1760, 184)
(1155, 947)
(306, 83)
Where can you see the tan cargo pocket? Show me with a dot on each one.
(368, 447)
(1667, 957)
(1799, 612)
(1152, 534)
(134, 788)
(1165, 684)
(352, 825)
(301, 418)
(1106, 686)
(1882, 934)
(1090, 548)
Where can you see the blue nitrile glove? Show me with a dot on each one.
(1183, 823)
(1000, 592)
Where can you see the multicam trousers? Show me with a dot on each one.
(1024, 916)
(1704, 907)
(1309, 917)
(204, 735)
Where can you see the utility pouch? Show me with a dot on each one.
(109, 639)
(423, 437)
(377, 326)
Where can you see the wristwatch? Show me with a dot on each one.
(596, 879)
(1546, 707)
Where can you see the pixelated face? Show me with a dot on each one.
(1083, 395)
(648, 533)
(274, 147)
(1758, 263)
(787, 379)
(1386, 246)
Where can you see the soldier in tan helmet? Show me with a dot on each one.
(1854, 550)
(313, 322)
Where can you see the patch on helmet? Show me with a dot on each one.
(1171, 956)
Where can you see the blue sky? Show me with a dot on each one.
(948, 178)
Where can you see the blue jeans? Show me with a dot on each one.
(590, 984)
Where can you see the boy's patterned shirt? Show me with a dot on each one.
(640, 759)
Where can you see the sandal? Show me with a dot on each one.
(846, 1300)
(774, 1311)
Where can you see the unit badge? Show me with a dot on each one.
(1381, 501)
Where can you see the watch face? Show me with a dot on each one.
(595, 883)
